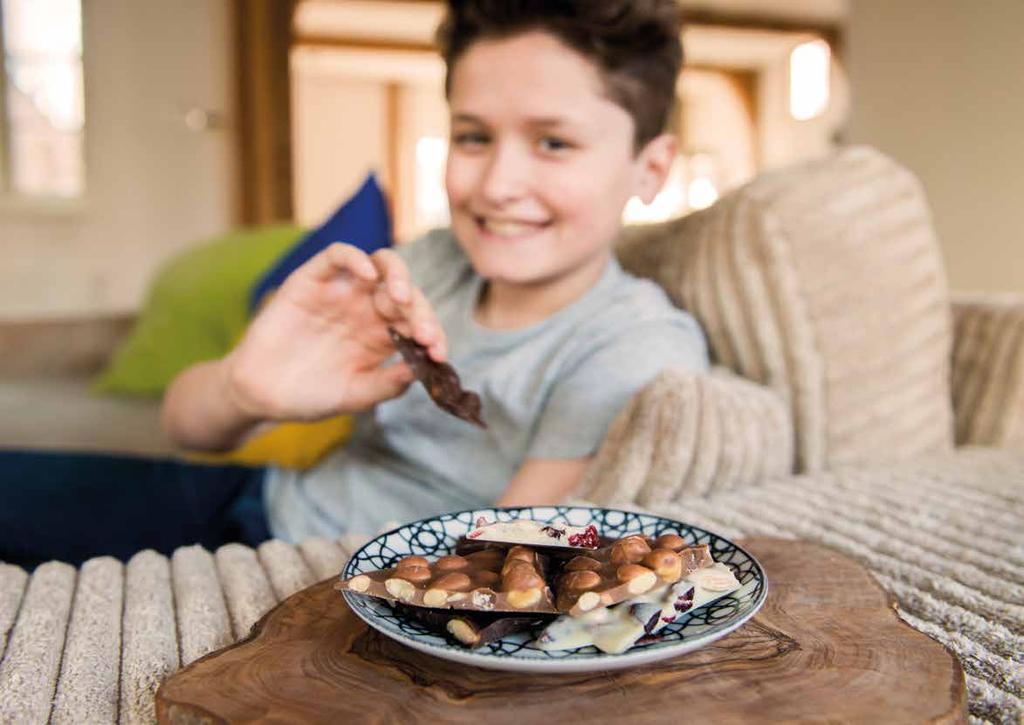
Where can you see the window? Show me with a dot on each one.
(41, 104)
(809, 67)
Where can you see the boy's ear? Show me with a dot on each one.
(653, 164)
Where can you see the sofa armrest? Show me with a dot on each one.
(988, 370)
(686, 434)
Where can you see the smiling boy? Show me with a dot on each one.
(557, 116)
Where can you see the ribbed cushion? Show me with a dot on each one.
(825, 283)
(687, 434)
(988, 370)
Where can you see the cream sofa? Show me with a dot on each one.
(852, 403)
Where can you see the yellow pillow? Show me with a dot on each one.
(288, 445)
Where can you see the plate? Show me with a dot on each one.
(437, 536)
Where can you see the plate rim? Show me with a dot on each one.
(569, 663)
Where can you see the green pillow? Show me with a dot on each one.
(195, 310)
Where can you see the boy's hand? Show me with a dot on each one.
(318, 347)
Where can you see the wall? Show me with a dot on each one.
(939, 85)
(153, 185)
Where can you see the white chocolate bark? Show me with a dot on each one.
(529, 532)
(615, 629)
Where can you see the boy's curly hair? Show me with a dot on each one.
(635, 44)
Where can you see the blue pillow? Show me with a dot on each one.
(362, 221)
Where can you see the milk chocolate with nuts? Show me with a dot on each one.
(491, 580)
(632, 566)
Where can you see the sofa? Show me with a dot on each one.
(853, 402)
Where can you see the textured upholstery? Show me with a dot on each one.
(825, 283)
(687, 435)
(988, 371)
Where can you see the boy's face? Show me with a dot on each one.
(541, 162)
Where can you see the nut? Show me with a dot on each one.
(452, 562)
(454, 582)
(522, 577)
(588, 600)
(629, 550)
(666, 563)
(359, 583)
(638, 579)
(463, 631)
(515, 564)
(414, 574)
(522, 598)
(411, 561)
(400, 589)
(583, 563)
(674, 542)
(716, 581)
(435, 597)
(695, 557)
(581, 581)
(521, 553)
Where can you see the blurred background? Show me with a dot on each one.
(134, 131)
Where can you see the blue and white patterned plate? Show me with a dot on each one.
(437, 536)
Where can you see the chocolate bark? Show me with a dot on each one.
(474, 629)
(440, 380)
(490, 580)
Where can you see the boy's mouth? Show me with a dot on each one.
(508, 228)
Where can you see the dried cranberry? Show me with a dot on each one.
(589, 539)
(684, 602)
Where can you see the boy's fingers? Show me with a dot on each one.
(395, 274)
(387, 308)
(340, 257)
(425, 326)
(388, 382)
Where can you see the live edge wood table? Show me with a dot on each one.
(827, 645)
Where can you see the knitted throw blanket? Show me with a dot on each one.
(944, 537)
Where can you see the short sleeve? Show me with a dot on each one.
(586, 398)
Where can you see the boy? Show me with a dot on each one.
(557, 111)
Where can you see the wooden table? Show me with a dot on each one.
(827, 644)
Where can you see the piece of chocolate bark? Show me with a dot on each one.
(474, 629)
(536, 533)
(490, 580)
(632, 566)
(440, 379)
(615, 629)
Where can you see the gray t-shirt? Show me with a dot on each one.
(549, 390)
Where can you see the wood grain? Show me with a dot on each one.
(827, 645)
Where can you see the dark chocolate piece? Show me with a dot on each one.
(440, 380)
(473, 629)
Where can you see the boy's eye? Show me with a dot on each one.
(553, 143)
(469, 138)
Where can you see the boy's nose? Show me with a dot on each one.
(506, 176)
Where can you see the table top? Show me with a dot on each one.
(827, 643)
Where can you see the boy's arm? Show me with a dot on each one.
(200, 412)
(543, 481)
